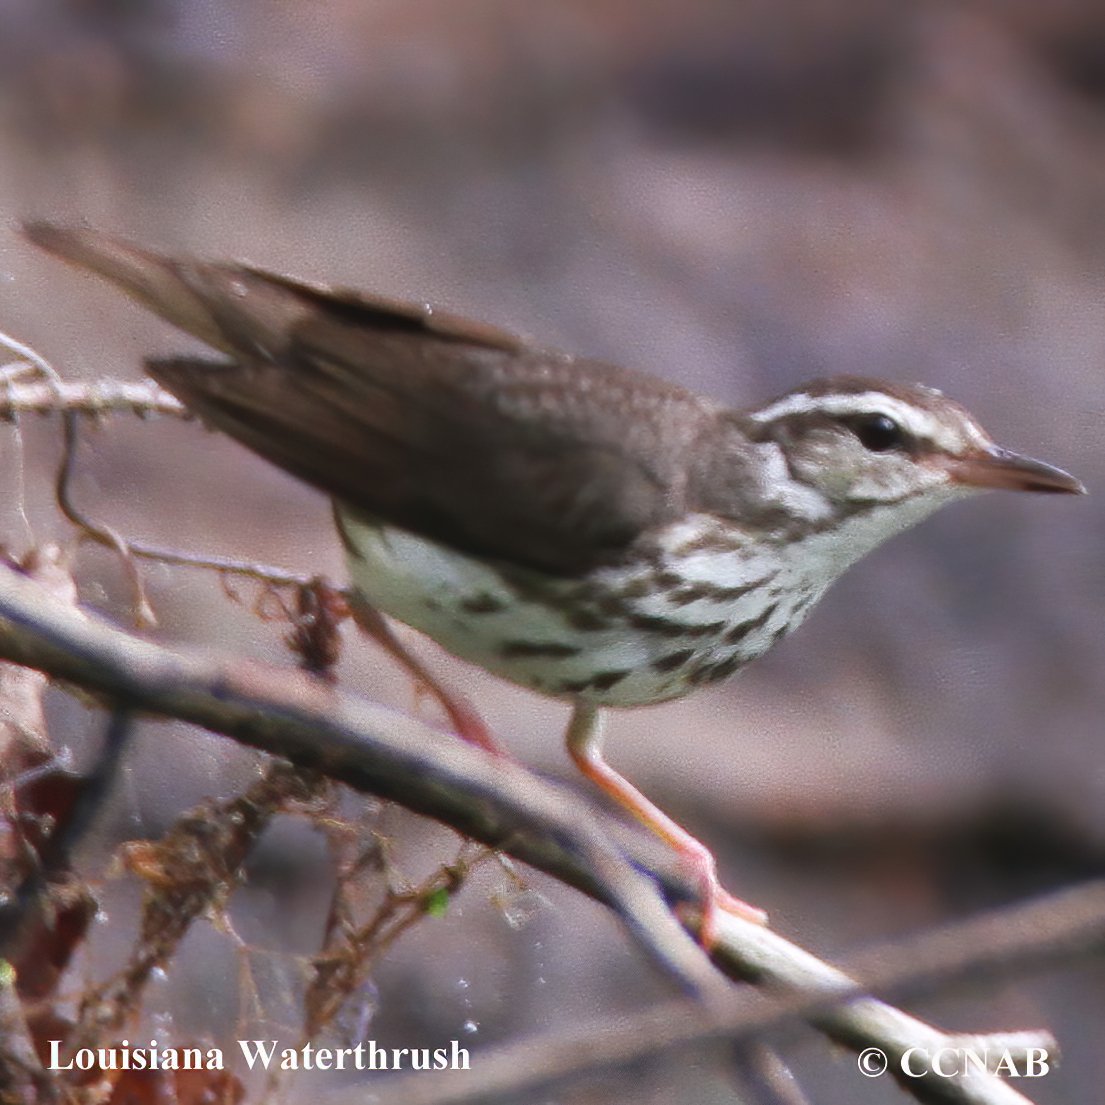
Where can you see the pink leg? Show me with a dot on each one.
(466, 722)
(584, 746)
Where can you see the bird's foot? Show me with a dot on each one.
(715, 897)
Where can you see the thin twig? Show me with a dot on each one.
(93, 531)
(143, 399)
(51, 382)
(33, 385)
(249, 569)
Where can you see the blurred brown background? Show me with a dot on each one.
(734, 196)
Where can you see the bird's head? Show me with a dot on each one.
(858, 442)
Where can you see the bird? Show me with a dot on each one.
(589, 532)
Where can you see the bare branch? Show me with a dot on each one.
(501, 804)
(371, 748)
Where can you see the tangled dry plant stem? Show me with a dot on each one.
(31, 385)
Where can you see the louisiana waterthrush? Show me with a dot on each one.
(591, 533)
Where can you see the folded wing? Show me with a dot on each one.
(453, 430)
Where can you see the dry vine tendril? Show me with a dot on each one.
(32, 385)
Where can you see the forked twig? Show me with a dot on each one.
(33, 385)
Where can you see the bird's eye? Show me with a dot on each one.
(879, 433)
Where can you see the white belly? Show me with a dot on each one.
(500, 623)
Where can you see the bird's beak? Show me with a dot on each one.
(999, 468)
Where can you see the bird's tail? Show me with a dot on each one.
(232, 307)
(167, 287)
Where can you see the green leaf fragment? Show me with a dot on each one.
(437, 902)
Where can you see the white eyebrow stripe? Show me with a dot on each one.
(914, 420)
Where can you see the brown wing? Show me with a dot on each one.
(452, 430)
